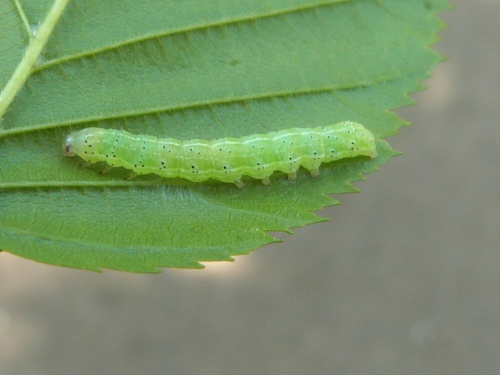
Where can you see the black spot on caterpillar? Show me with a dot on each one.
(224, 159)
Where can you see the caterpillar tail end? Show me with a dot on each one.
(371, 152)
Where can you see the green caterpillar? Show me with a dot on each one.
(224, 159)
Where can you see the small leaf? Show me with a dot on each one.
(187, 70)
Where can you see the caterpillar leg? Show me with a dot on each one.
(131, 176)
(292, 176)
(106, 169)
(266, 181)
(239, 184)
(85, 164)
(314, 172)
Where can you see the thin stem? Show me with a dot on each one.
(23, 16)
(30, 57)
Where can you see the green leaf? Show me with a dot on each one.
(189, 69)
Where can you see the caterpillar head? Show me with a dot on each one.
(68, 145)
(80, 143)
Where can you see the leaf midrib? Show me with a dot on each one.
(35, 47)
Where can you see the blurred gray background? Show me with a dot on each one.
(403, 280)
